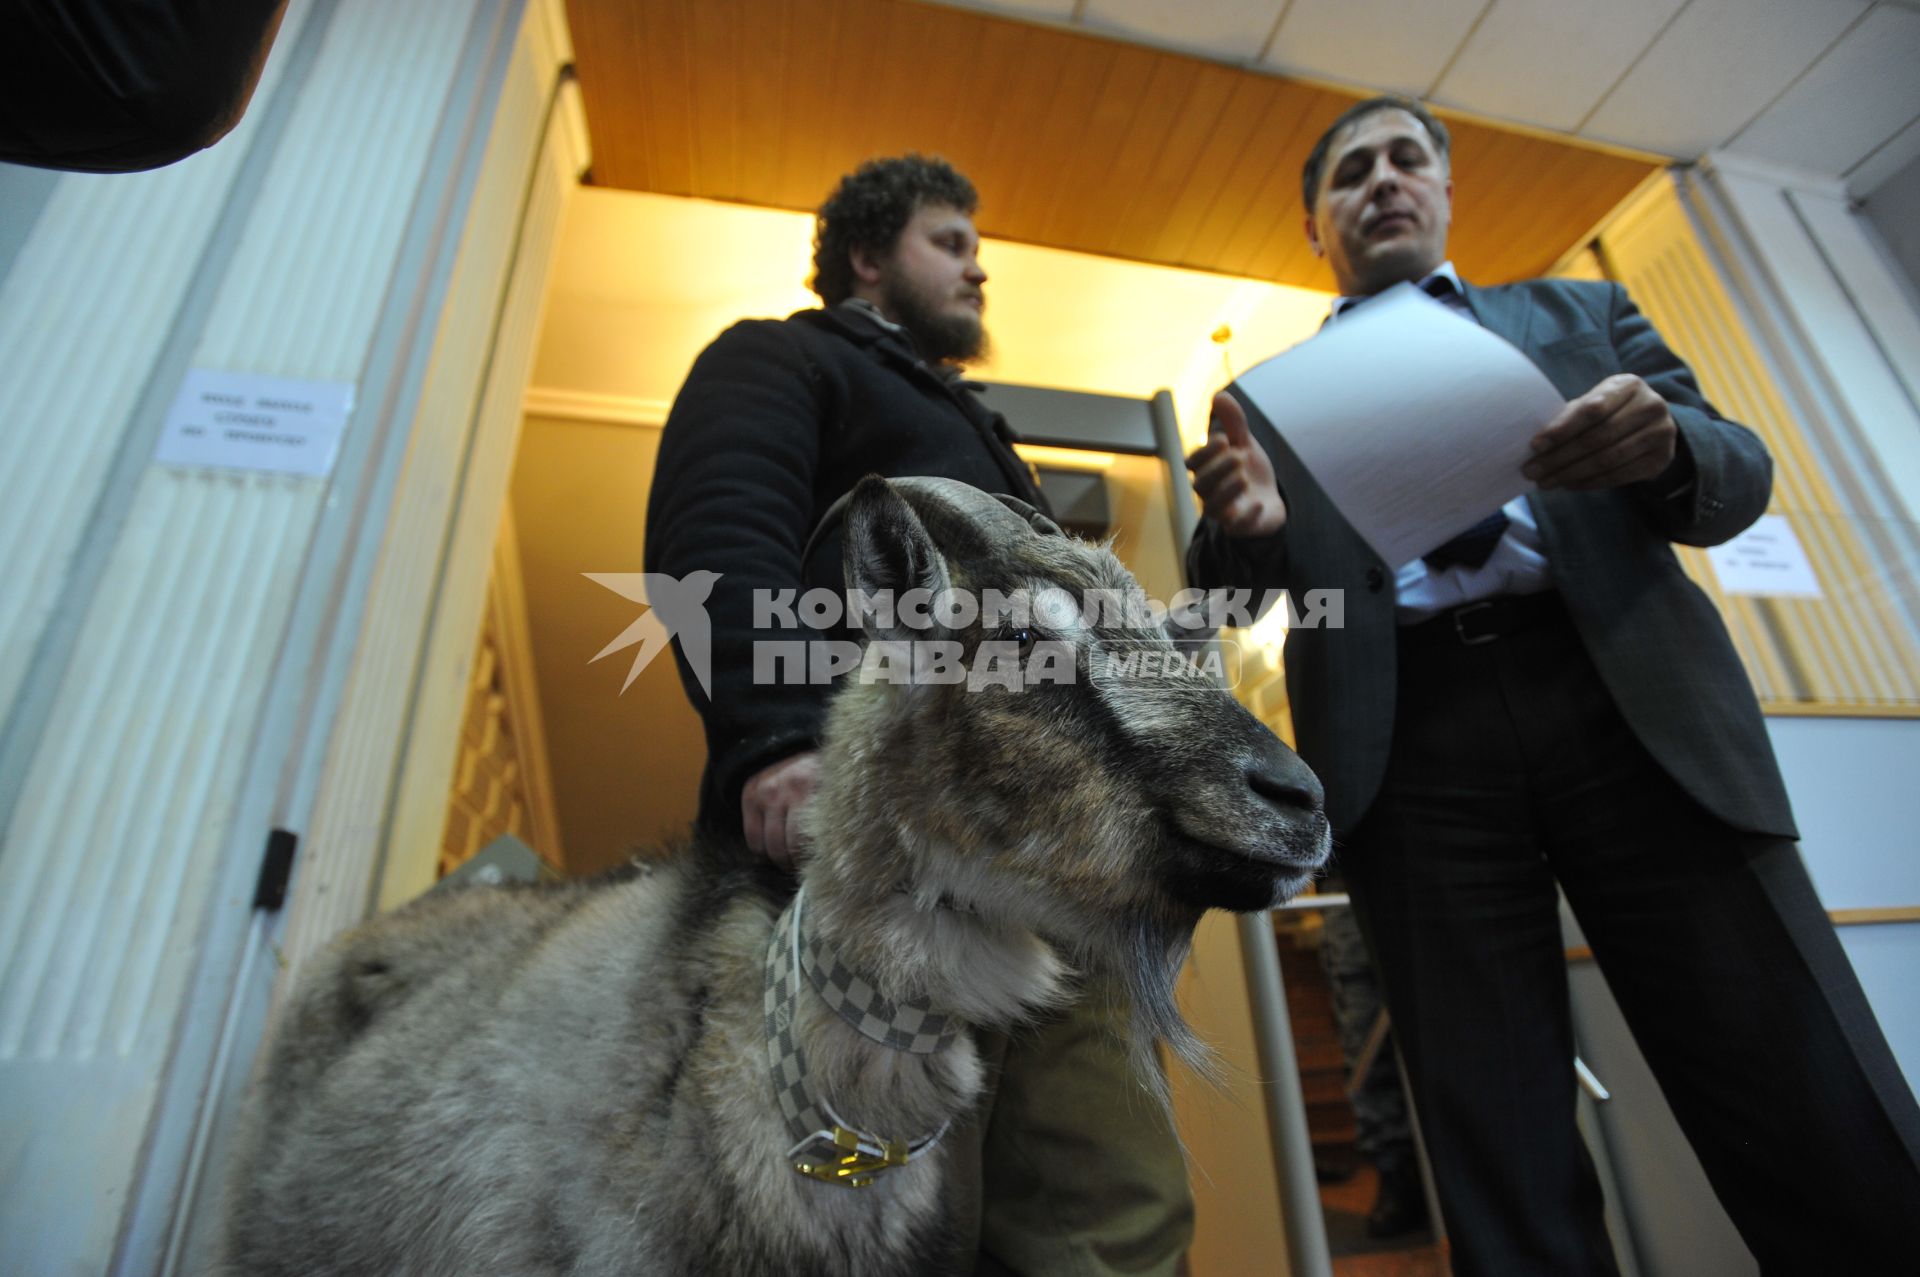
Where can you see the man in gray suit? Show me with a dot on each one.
(1546, 698)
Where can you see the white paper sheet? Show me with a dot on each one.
(1413, 418)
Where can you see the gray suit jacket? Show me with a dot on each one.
(1655, 637)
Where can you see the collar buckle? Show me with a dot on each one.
(845, 1157)
(830, 1149)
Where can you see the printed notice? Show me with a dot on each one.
(246, 421)
(1765, 559)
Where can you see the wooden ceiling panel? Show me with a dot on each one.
(1555, 170)
(763, 97)
(1272, 186)
(1109, 123)
(1204, 173)
(665, 100)
(1203, 99)
(1136, 169)
(812, 28)
(1010, 139)
(940, 96)
(1075, 142)
(1051, 122)
(717, 102)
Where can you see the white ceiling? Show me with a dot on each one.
(1829, 87)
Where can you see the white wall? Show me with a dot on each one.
(1816, 281)
(1894, 209)
(1825, 349)
(643, 282)
(1844, 330)
(173, 639)
(1851, 780)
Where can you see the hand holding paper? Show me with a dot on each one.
(1619, 432)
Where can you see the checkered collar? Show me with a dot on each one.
(828, 1147)
(914, 1027)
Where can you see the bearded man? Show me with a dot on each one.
(777, 419)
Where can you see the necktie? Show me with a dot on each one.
(1472, 547)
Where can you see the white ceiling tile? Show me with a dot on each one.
(1863, 92)
(1718, 64)
(1232, 29)
(1051, 10)
(1548, 62)
(1388, 45)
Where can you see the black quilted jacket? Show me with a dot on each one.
(776, 420)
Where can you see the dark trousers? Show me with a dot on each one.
(1510, 771)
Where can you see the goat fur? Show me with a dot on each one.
(573, 1079)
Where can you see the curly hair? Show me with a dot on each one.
(1316, 165)
(870, 208)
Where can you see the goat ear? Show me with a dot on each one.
(887, 550)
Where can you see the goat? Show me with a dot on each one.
(623, 1075)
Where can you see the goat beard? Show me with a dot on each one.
(1140, 966)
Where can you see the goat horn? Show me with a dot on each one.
(1036, 520)
(922, 491)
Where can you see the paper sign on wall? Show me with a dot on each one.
(1765, 559)
(247, 421)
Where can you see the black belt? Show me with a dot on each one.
(1485, 620)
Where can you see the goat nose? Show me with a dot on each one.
(1286, 783)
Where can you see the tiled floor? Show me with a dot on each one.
(1354, 1253)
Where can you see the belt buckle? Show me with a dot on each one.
(1460, 631)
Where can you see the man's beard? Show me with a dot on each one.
(940, 338)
